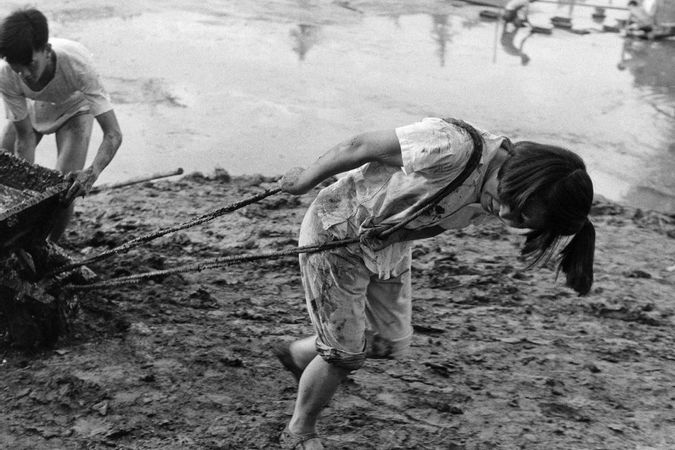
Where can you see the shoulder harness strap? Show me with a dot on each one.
(470, 166)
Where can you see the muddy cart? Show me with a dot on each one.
(29, 196)
(31, 313)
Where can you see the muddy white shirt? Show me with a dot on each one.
(75, 88)
(434, 153)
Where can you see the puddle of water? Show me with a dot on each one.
(210, 85)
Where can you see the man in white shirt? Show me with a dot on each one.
(52, 87)
(515, 12)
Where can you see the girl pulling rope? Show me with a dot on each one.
(359, 296)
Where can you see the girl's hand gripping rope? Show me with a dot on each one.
(290, 182)
(375, 239)
(369, 238)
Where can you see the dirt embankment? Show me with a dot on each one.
(502, 358)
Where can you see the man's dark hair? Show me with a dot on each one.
(22, 32)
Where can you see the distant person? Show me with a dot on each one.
(359, 296)
(305, 37)
(51, 86)
(639, 20)
(508, 45)
(516, 13)
(634, 54)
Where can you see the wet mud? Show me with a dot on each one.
(502, 357)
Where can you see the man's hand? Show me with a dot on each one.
(82, 182)
(290, 182)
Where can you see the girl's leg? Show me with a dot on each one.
(72, 143)
(389, 311)
(335, 286)
(303, 351)
(296, 355)
(317, 386)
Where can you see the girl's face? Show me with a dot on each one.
(512, 218)
(530, 217)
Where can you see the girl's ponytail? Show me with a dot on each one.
(577, 259)
(551, 183)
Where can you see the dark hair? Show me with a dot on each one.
(21, 32)
(554, 179)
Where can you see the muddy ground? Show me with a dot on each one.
(501, 358)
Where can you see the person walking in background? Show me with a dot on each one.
(640, 22)
(516, 12)
(51, 86)
(507, 41)
(445, 174)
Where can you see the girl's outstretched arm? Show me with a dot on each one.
(381, 146)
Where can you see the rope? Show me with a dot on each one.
(429, 203)
(211, 264)
(470, 166)
(154, 235)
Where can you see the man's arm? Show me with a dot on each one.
(381, 146)
(112, 139)
(26, 141)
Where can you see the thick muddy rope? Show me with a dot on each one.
(212, 263)
(164, 231)
(431, 202)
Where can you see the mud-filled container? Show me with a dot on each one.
(29, 199)
(33, 311)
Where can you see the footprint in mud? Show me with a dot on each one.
(564, 411)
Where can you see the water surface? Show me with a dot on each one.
(270, 85)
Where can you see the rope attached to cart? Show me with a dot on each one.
(212, 263)
(217, 262)
(164, 231)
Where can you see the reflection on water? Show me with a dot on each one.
(650, 62)
(204, 83)
(652, 65)
(508, 43)
(304, 37)
(441, 34)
